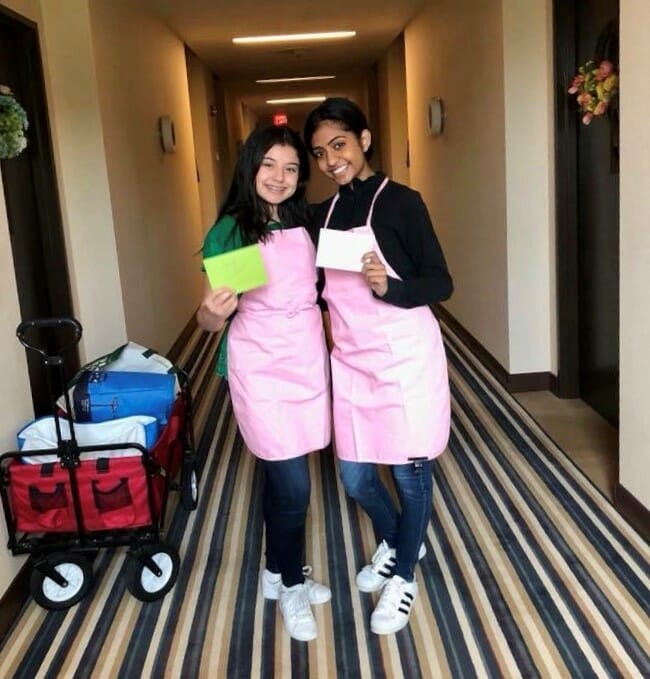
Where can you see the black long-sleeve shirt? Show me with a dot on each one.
(404, 233)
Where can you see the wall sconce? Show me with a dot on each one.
(436, 117)
(167, 134)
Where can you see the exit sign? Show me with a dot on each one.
(280, 119)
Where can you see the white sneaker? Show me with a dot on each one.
(373, 577)
(296, 612)
(394, 606)
(272, 587)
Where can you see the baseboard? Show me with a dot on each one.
(13, 600)
(632, 511)
(538, 381)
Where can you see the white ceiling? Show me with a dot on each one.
(208, 26)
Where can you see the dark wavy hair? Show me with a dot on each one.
(337, 110)
(252, 214)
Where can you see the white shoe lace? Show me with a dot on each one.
(391, 598)
(297, 606)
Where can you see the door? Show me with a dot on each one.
(587, 192)
(598, 226)
(33, 211)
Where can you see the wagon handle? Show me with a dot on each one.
(25, 326)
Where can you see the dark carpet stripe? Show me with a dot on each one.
(57, 619)
(140, 643)
(498, 604)
(243, 628)
(609, 553)
(267, 652)
(606, 608)
(347, 654)
(478, 630)
(540, 597)
(192, 657)
(541, 459)
(187, 571)
(453, 639)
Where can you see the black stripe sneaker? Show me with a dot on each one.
(394, 606)
(375, 575)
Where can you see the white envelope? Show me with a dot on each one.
(342, 249)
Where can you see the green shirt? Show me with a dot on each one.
(225, 236)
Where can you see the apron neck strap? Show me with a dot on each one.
(372, 205)
(374, 199)
(329, 212)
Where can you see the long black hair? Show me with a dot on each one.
(337, 110)
(251, 213)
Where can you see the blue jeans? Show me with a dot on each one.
(405, 532)
(286, 498)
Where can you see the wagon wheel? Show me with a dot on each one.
(152, 571)
(189, 482)
(60, 580)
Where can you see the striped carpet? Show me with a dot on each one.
(530, 572)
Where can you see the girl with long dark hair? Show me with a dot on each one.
(276, 360)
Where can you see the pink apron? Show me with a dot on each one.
(389, 370)
(278, 368)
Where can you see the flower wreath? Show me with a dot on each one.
(13, 125)
(595, 86)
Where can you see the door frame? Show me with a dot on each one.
(566, 200)
(29, 73)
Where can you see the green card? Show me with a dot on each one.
(241, 269)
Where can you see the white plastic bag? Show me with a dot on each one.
(41, 433)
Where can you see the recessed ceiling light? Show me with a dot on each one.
(295, 80)
(296, 100)
(332, 35)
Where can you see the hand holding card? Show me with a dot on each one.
(242, 269)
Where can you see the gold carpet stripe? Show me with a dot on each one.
(595, 565)
(423, 624)
(493, 631)
(85, 634)
(316, 551)
(532, 557)
(185, 625)
(112, 653)
(224, 600)
(166, 612)
(568, 467)
(256, 642)
(599, 569)
(540, 645)
(357, 611)
(542, 491)
(582, 598)
(21, 638)
(458, 608)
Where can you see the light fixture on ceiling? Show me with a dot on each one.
(295, 80)
(256, 39)
(296, 100)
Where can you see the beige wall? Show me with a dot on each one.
(528, 95)
(393, 117)
(80, 157)
(142, 75)
(209, 166)
(488, 179)
(635, 252)
(454, 50)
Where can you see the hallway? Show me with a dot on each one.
(529, 570)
